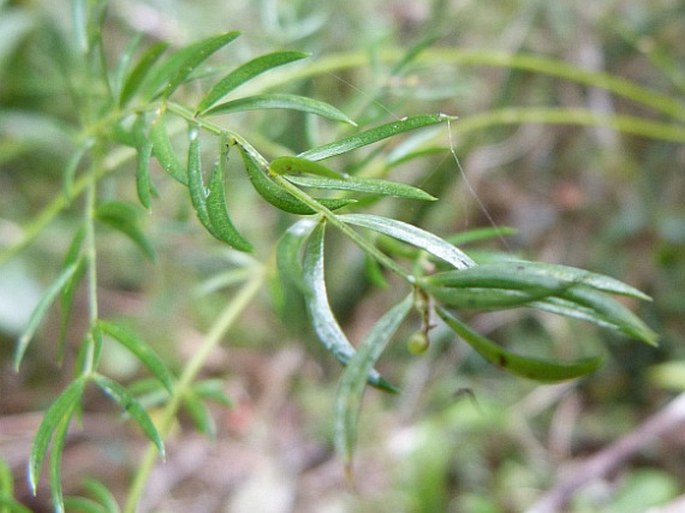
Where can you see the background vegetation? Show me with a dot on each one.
(603, 192)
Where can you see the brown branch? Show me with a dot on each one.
(583, 472)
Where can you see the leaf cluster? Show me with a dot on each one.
(138, 108)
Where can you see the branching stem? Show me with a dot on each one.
(223, 323)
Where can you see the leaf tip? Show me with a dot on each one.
(384, 385)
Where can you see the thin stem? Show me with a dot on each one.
(224, 322)
(619, 86)
(45, 217)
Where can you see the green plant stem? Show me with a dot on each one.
(449, 55)
(62, 201)
(223, 323)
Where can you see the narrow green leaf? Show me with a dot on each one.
(199, 413)
(290, 165)
(72, 166)
(124, 63)
(532, 368)
(323, 320)
(73, 256)
(582, 302)
(413, 235)
(55, 463)
(66, 306)
(83, 505)
(134, 80)
(246, 72)
(281, 101)
(368, 185)
(373, 135)
(219, 219)
(141, 350)
(102, 494)
(175, 69)
(124, 217)
(62, 408)
(526, 276)
(274, 194)
(581, 276)
(164, 151)
(39, 311)
(143, 184)
(213, 390)
(196, 187)
(289, 251)
(132, 407)
(349, 397)
(485, 298)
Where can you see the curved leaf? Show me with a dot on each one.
(323, 320)
(288, 165)
(289, 251)
(367, 185)
(194, 55)
(41, 308)
(582, 302)
(196, 186)
(532, 368)
(484, 298)
(55, 467)
(199, 413)
(277, 196)
(351, 388)
(246, 72)
(132, 407)
(281, 101)
(102, 494)
(83, 505)
(413, 235)
(143, 184)
(373, 135)
(134, 80)
(172, 72)
(164, 152)
(124, 218)
(62, 408)
(141, 350)
(219, 219)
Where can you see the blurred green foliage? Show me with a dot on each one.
(597, 196)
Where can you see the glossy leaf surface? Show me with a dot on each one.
(413, 235)
(141, 350)
(323, 320)
(132, 407)
(372, 135)
(281, 101)
(244, 73)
